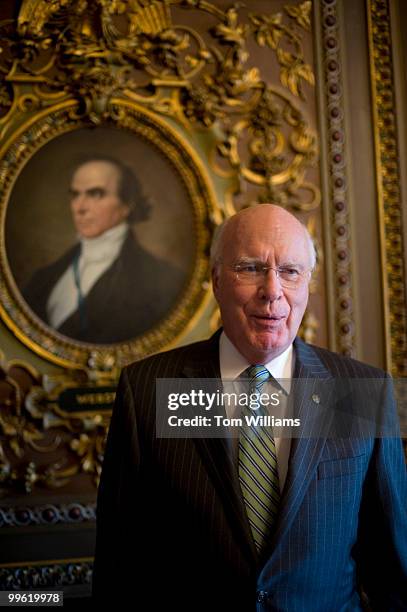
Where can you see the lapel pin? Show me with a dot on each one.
(315, 398)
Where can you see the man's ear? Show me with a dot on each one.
(215, 280)
(126, 210)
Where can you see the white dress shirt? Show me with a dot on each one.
(233, 364)
(97, 255)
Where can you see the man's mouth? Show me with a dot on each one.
(266, 317)
(268, 322)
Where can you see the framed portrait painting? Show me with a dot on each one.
(106, 234)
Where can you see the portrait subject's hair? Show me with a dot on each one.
(129, 191)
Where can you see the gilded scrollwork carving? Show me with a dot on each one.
(51, 427)
(271, 31)
(252, 117)
(301, 13)
(93, 51)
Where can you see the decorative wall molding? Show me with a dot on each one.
(388, 185)
(47, 514)
(31, 576)
(338, 247)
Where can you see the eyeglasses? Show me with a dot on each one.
(254, 273)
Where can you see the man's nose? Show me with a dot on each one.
(79, 203)
(270, 286)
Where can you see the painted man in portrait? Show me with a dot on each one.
(107, 288)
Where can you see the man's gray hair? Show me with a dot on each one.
(217, 243)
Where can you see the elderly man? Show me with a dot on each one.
(106, 288)
(316, 523)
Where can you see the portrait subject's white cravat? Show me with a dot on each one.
(97, 255)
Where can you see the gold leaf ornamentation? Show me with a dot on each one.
(35, 426)
(301, 14)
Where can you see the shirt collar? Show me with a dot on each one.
(232, 362)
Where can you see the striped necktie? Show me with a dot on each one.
(258, 473)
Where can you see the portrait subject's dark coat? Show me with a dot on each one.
(130, 296)
(172, 531)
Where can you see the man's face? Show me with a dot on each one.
(95, 203)
(262, 319)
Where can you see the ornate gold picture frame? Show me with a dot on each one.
(36, 165)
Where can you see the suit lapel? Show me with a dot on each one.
(311, 394)
(216, 453)
(310, 383)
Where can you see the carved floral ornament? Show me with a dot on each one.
(94, 51)
(136, 66)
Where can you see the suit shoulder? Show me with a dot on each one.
(342, 365)
(167, 364)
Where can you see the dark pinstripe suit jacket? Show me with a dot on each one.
(171, 525)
